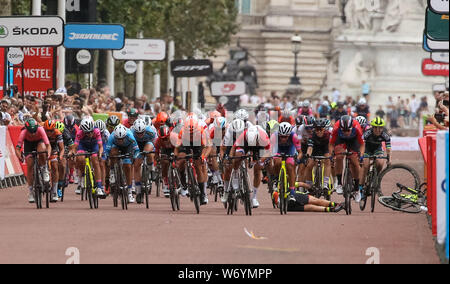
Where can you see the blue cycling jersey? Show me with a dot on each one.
(148, 136)
(129, 143)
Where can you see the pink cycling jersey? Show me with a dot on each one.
(82, 138)
(40, 134)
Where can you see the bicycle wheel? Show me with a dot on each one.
(374, 190)
(282, 191)
(145, 185)
(172, 189)
(88, 187)
(348, 191)
(399, 205)
(195, 191)
(367, 189)
(246, 192)
(398, 173)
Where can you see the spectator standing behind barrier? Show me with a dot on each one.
(414, 105)
(366, 90)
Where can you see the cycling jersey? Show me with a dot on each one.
(67, 138)
(363, 111)
(88, 144)
(374, 144)
(73, 131)
(127, 146)
(126, 123)
(304, 112)
(166, 146)
(32, 140)
(55, 138)
(148, 137)
(198, 139)
(263, 142)
(320, 144)
(324, 111)
(290, 147)
(353, 141)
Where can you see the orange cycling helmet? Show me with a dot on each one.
(50, 125)
(161, 118)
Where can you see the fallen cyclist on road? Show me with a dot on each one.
(303, 202)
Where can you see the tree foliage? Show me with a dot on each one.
(194, 25)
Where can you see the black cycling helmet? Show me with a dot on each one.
(346, 122)
(309, 121)
(299, 120)
(320, 123)
(69, 121)
(113, 121)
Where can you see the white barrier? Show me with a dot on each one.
(407, 144)
(442, 186)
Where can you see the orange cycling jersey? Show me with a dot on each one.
(199, 138)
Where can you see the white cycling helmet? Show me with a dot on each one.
(120, 131)
(139, 126)
(147, 119)
(285, 129)
(238, 125)
(326, 104)
(300, 104)
(362, 101)
(87, 125)
(252, 136)
(306, 104)
(241, 114)
(100, 124)
(362, 120)
(220, 122)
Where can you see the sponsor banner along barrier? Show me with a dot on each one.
(14, 133)
(441, 185)
(11, 173)
(407, 144)
(38, 71)
(31, 31)
(90, 36)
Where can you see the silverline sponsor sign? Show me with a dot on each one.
(31, 31)
(94, 36)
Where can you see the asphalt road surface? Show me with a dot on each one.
(70, 230)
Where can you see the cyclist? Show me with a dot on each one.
(362, 109)
(217, 132)
(34, 139)
(133, 115)
(89, 139)
(363, 122)
(145, 137)
(304, 133)
(339, 112)
(100, 125)
(306, 109)
(193, 138)
(324, 110)
(72, 128)
(285, 142)
(374, 139)
(56, 142)
(318, 145)
(347, 135)
(69, 149)
(233, 131)
(303, 202)
(242, 114)
(112, 122)
(122, 142)
(256, 141)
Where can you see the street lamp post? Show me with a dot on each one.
(296, 42)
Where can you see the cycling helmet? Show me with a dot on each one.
(300, 104)
(346, 122)
(69, 121)
(321, 123)
(100, 124)
(164, 132)
(191, 124)
(113, 121)
(328, 123)
(378, 122)
(238, 125)
(50, 125)
(285, 129)
(252, 136)
(220, 122)
(272, 126)
(241, 114)
(87, 125)
(31, 125)
(362, 120)
(139, 126)
(147, 119)
(161, 118)
(120, 132)
(362, 101)
(299, 120)
(132, 112)
(326, 104)
(60, 126)
(306, 104)
(309, 121)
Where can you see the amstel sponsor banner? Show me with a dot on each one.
(142, 50)
(228, 88)
(94, 36)
(431, 68)
(38, 75)
(31, 31)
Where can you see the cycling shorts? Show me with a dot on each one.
(88, 147)
(301, 200)
(31, 146)
(196, 151)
